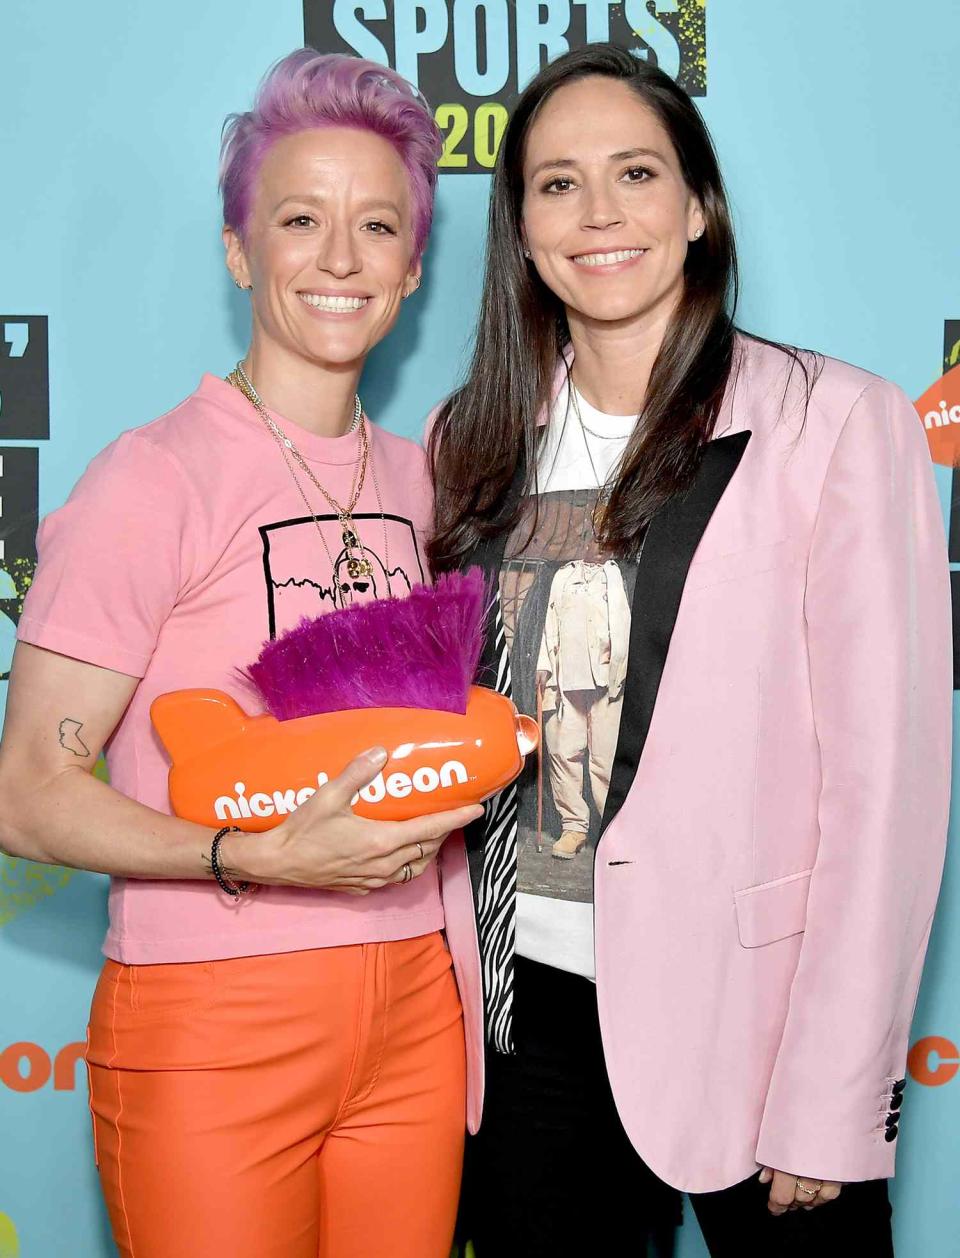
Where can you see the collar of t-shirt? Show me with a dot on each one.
(315, 448)
(580, 455)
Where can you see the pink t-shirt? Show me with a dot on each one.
(183, 547)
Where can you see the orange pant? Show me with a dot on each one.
(290, 1106)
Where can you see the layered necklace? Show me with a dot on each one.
(357, 564)
(604, 488)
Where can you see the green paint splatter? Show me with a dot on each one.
(17, 577)
(20, 571)
(692, 27)
(23, 885)
(687, 23)
(9, 1244)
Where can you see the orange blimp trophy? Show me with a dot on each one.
(392, 673)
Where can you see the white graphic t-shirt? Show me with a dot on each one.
(566, 607)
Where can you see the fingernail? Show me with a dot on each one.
(377, 756)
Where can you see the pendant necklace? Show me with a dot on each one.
(604, 488)
(357, 563)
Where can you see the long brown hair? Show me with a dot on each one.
(490, 423)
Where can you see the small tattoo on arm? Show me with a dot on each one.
(70, 739)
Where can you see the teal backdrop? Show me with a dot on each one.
(836, 124)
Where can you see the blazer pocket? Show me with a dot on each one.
(772, 910)
(716, 569)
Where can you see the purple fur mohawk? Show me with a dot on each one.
(416, 652)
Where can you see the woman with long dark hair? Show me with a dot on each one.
(722, 588)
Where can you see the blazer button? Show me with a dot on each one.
(896, 1100)
(899, 1086)
(890, 1134)
(891, 1120)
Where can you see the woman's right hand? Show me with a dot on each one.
(324, 844)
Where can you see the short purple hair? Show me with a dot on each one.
(307, 89)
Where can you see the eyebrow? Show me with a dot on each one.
(623, 156)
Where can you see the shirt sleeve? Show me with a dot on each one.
(110, 561)
(878, 624)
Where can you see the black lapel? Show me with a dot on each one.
(671, 540)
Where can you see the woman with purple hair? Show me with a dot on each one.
(276, 1045)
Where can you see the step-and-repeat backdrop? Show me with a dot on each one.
(836, 127)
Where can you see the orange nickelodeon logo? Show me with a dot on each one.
(26, 1067)
(251, 771)
(933, 1061)
(939, 411)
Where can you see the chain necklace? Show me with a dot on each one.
(604, 488)
(242, 381)
(600, 436)
(358, 565)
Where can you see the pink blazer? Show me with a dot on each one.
(773, 841)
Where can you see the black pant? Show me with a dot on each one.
(552, 1172)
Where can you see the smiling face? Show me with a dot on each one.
(607, 215)
(328, 246)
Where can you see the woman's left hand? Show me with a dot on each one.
(787, 1191)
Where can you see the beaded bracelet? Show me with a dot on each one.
(233, 889)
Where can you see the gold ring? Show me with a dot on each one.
(810, 1191)
(420, 846)
(407, 873)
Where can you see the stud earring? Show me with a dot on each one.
(698, 233)
(527, 253)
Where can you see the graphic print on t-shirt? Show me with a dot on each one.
(297, 570)
(566, 609)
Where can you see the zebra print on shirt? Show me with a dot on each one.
(497, 893)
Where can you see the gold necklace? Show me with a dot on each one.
(358, 566)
